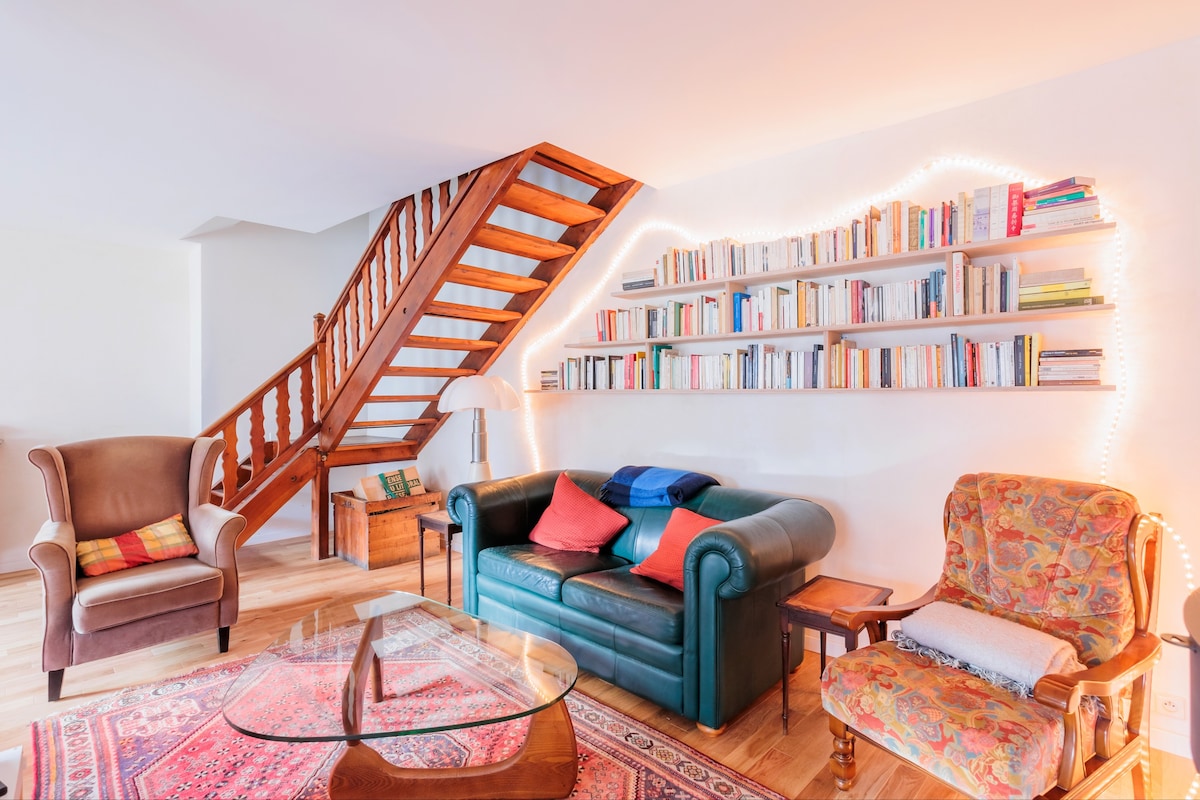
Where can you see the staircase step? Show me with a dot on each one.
(494, 237)
(466, 275)
(541, 202)
(427, 372)
(367, 449)
(448, 343)
(390, 423)
(476, 313)
(401, 398)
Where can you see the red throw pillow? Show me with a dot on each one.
(575, 520)
(665, 564)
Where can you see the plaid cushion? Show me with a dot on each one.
(158, 542)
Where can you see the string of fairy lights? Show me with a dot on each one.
(554, 335)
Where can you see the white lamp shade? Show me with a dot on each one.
(479, 391)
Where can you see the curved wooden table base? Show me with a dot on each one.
(545, 768)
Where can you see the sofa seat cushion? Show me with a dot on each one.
(116, 598)
(540, 569)
(630, 601)
(976, 736)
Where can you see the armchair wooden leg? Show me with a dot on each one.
(54, 684)
(841, 762)
(223, 639)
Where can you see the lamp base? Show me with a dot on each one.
(480, 471)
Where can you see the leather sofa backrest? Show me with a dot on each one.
(640, 538)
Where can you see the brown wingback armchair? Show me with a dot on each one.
(102, 488)
(1074, 562)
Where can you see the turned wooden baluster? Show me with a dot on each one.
(397, 272)
(426, 216)
(307, 388)
(283, 409)
(229, 462)
(258, 437)
(368, 302)
(410, 229)
(381, 297)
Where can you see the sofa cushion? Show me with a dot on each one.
(541, 569)
(115, 598)
(630, 601)
(665, 564)
(575, 520)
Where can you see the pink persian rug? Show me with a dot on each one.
(169, 739)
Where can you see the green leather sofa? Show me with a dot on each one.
(707, 652)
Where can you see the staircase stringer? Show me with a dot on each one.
(331, 396)
(442, 253)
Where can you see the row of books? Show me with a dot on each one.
(698, 316)
(963, 362)
(966, 289)
(990, 212)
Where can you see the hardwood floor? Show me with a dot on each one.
(280, 583)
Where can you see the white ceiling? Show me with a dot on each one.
(140, 121)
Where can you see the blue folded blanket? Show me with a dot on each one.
(652, 486)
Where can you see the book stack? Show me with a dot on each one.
(1077, 367)
(638, 279)
(1068, 203)
(1055, 289)
(549, 380)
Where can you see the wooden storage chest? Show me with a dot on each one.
(379, 533)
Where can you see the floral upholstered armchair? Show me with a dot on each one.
(1032, 566)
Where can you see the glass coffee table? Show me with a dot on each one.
(430, 668)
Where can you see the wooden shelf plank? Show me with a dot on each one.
(1017, 389)
(849, 330)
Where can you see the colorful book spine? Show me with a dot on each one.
(1016, 199)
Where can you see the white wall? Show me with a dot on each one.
(882, 463)
(97, 345)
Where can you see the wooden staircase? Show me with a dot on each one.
(444, 286)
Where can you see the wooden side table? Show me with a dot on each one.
(445, 527)
(811, 606)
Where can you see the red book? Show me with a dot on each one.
(1016, 202)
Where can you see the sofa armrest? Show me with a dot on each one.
(500, 512)
(763, 547)
(53, 553)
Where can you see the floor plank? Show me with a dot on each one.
(280, 583)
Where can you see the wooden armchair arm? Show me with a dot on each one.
(1063, 692)
(854, 617)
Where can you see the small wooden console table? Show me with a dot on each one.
(445, 527)
(811, 606)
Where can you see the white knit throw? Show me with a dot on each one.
(1000, 651)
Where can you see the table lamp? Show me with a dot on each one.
(479, 392)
